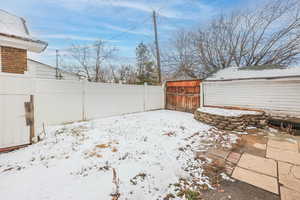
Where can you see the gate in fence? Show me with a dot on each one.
(16, 112)
(183, 95)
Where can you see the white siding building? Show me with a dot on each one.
(44, 71)
(275, 91)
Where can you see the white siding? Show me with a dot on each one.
(280, 96)
(43, 71)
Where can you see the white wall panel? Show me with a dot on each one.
(154, 97)
(57, 101)
(61, 101)
(280, 96)
(112, 99)
(43, 71)
(14, 91)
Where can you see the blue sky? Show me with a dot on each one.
(122, 23)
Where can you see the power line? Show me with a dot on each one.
(127, 31)
(131, 29)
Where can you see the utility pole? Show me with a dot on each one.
(56, 71)
(157, 47)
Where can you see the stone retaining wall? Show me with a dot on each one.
(232, 123)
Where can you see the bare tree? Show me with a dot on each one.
(92, 60)
(180, 58)
(266, 35)
(124, 74)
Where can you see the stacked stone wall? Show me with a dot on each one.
(232, 123)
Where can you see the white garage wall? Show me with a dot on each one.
(278, 96)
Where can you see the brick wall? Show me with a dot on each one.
(13, 60)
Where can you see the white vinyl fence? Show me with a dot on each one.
(276, 96)
(14, 91)
(57, 101)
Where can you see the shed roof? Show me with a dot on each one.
(254, 72)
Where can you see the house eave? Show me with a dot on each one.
(31, 45)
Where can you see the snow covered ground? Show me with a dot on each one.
(227, 112)
(148, 151)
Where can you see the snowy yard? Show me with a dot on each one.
(148, 151)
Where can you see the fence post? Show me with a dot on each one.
(164, 88)
(145, 95)
(201, 95)
(83, 99)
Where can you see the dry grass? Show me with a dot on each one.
(103, 146)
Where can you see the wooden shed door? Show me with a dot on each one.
(183, 95)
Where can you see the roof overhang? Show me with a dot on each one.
(36, 46)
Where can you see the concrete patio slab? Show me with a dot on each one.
(234, 157)
(260, 146)
(258, 164)
(283, 155)
(283, 145)
(259, 180)
(296, 172)
(288, 175)
(229, 167)
(287, 194)
(218, 152)
(253, 144)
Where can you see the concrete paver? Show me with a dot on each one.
(288, 175)
(234, 157)
(283, 155)
(296, 172)
(229, 168)
(287, 194)
(220, 153)
(260, 146)
(283, 145)
(253, 144)
(259, 180)
(258, 164)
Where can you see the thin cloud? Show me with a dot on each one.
(75, 37)
(69, 37)
(125, 30)
(169, 9)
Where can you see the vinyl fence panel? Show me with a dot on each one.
(15, 90)
(61, 101)
(57, 101)
(103, 99)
